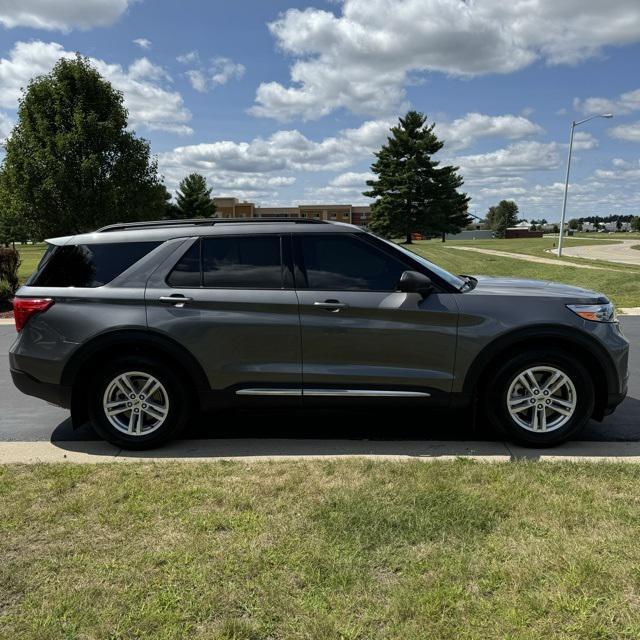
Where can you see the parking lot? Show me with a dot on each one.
(28, 419)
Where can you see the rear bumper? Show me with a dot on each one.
(53, 393)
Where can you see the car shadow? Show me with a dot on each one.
(350, 432)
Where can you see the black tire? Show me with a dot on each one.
(497, 390)
(177, 415)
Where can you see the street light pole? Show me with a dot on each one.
(574, 124)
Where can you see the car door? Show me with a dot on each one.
(229, 299)
(360, 335)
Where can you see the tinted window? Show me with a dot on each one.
(88, 265)
(252, 262)
(343, 263)
(187, 272)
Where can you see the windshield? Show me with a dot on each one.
(454, 281)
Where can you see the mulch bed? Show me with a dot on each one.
(6, 310)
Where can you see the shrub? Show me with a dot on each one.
(9, 265)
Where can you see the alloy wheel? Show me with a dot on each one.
(136, 403)
(541, 399)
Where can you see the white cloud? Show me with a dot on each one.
(6, 124)
(362, 58)
(61, 15)
(513, 159)
(219, 72)
(629, 132)
(186, 58)
(623, 170)
(150, 102)
(463, 132)
(286, 150)
(352, 180)
(584, 141)
(143, 43)
(623, 104)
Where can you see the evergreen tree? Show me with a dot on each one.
(502, 216)
(71, 165)
(194, 198)
(413, 193)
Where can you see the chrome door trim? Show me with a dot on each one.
(364, 393)
(269, 392)
(336, 393)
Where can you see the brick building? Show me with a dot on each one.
(233, 208)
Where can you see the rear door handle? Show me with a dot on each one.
(176, 301)
(331, 305)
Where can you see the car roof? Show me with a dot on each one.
(160, 231)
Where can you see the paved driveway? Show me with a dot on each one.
(27, 419)
(620, 252)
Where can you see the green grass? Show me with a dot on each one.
(621, 284)
(320, 550)
(30, 255)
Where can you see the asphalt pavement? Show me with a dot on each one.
(30, 420)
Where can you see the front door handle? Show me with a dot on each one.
(177, 300)
(331, 305)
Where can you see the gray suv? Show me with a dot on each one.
(137, 326)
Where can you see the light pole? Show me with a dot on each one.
(574, 124)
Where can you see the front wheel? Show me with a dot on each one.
(539, 399)
(138, 403)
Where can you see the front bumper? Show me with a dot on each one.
(53, 393)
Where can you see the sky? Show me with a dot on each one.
(282, 102)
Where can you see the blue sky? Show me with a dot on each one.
(284, 102)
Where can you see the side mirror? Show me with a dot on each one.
(415, 282)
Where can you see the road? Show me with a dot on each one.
(27, 419)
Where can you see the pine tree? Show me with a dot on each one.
(413, 193)
(194, 198)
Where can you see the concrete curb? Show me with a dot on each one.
(258, 450)
(6, 321)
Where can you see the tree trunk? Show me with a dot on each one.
(443, 236)
(409, 239)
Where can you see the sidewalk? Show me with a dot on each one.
(260, 450)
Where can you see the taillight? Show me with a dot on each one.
(24, 308)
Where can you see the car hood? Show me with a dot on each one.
(524, 287)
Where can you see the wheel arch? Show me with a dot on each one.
(583, 347)
(77, 371)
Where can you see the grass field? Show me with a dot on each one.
(30, 255)
(320, 550)
(621, 284)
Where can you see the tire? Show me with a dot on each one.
(512, 389)
(135, 424)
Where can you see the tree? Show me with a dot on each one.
(194, 198)
(71, 165)
(413, 193)
(574, 224)
(503, 216)
(635, 223)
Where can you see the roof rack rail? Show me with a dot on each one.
(201, 222)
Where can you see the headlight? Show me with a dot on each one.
(595, 312)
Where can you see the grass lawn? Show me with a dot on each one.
(30, 255)
(320, 550)
(621, 284)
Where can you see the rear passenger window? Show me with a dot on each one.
(251, 262)
(88, 265)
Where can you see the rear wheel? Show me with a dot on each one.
(540, 398)
(138, 403)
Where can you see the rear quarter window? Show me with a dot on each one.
(87, 265)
